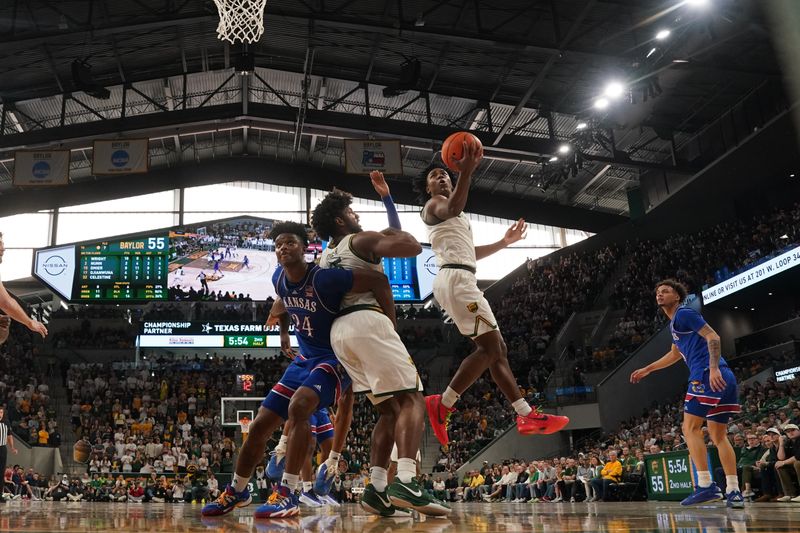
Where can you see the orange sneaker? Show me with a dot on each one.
(538, 423)
(439, 416)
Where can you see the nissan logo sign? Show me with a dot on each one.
(54, 265)
(430, 265)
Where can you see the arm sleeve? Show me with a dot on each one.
(391, 212)
(689, 320)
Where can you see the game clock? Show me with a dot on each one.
(245, 382)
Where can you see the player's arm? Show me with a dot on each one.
(12, 308)
(516, 232)
(714, 354)
(375, 282)
(395, 243)
(280, 317)
(445, 208)
(382, 188)
(672, 357)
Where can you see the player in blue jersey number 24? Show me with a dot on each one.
(712, 395)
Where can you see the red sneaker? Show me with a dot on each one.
(538, 423)
(439, 416)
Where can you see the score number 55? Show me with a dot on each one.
(157, 243)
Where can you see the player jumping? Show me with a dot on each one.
(712, 396)
(312, 297)
(456, 290)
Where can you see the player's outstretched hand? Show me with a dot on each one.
(715, 379)
(639, 375)
(517, 232)
(379, 183)
(37, 327)
(472, 158)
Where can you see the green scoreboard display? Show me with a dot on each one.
(133, 269)
(671, 476)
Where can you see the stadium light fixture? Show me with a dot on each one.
(736, 307)
(791, 175)
(752, 308)
(769, 293)
(784, 236)
(614, 89)
(583, 126)
(652, 51)
(601, 103)
(663, 34)
(680, 60)
(564, 149)
(553, 159)
(698, 3)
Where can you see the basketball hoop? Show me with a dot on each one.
(240, 21)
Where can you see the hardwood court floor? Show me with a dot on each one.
(33, 517)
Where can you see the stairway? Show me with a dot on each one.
(58, 395)
(603, 299)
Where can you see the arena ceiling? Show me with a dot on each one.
(521, 74)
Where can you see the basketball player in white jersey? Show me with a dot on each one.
(456, 290)
(366, 343)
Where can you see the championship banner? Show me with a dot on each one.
(41, 168)
(362, 156)
(121, 156)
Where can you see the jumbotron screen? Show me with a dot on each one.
(232, 258)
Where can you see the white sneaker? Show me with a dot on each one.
(329, 500)
(748, 494)
(486, 498)
(572, 500)
(785, 499)
(796, 499)
(309, 501)
(559, 499)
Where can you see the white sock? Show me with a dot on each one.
(406, 469)
(280, 449)
(379, 478)
(240, 482)
(731, 484)
(334, 456)
(307, 486)
(290, 480)
(703, 479)
(450, 397)
(522, 407)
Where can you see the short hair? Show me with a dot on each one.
(676, 285)
(332, 206)
(294, 228)
(420, 183)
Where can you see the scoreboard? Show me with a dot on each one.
(124, 270)
(671, 476)
(171, 334)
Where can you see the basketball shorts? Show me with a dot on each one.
(324, 375)
(375, 358)
(715, 406)
(457, 292)
(395, 453)
(321, 426)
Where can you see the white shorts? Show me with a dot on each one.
(370, 350)
(395, 452)
(457, 292)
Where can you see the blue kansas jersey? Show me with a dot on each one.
(313, 304)
(693, 347)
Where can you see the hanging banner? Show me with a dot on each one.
(121, 156)
(362, 156)
(41, 168)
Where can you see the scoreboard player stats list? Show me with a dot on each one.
(134, 269)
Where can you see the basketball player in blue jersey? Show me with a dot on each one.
(712, 396)
(312, 297)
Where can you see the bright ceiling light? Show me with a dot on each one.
(680, 61)
(601, 103)
(564, 149)
(698, 3)
(553, 159)
(663, 34)
(583, 126)
(614, 89)
(652, 51)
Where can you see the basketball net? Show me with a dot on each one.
(240, 21)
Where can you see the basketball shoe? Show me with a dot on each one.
(227, 501)
(379, 503)
(439, 416)
(323, 482)
(538, 423)
(704, 495)
(281, 504)
(276, 465)
(412, 495)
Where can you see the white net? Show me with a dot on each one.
(240, 21)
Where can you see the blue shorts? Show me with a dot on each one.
(321, 426)
(715, 406)
(324, 375)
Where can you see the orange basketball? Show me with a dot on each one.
(453, 147)
(81, 451)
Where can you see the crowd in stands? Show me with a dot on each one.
(85, 312)
(24, 392)
(94, 338)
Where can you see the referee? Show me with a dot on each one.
(5, 438)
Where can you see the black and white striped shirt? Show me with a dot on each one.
(4, 429)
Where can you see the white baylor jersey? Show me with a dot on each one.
(452, 241)
(343, 256)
